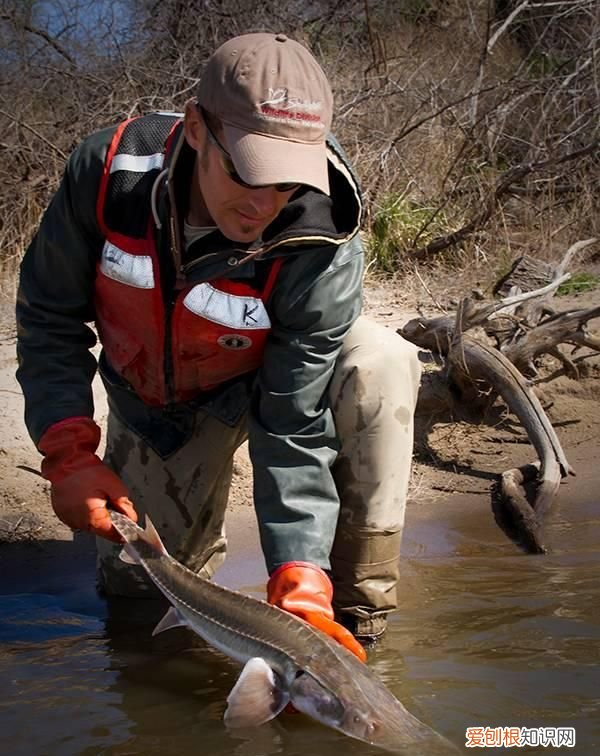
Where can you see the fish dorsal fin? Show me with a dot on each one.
(256, 697)
(152, 537)
(128, 555)
(172, 618)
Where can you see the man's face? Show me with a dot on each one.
(240, 213)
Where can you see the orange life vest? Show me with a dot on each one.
(214, 331)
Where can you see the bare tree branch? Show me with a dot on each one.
(505, 182)
(43, 34)
(36, 133)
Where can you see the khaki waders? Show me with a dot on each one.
(373, 394)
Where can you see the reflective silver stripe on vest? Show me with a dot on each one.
(133, 270)
(229, 310)
(136, 163)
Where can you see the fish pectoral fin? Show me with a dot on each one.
(172, 618)
(256, 697)
(128, 555)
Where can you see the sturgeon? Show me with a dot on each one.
(286, 659)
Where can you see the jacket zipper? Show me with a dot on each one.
(257, 253)
(169, 301)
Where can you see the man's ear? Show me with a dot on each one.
(193, 126)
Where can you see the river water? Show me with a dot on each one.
(487, 636)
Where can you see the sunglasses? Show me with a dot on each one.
(229, 167)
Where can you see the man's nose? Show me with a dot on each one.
(264, 200)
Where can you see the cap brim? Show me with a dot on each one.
(260, 159)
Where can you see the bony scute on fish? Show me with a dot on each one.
(285, 659)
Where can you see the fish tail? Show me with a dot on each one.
(132, 533)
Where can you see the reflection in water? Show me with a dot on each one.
(486, 636)
(53, 693)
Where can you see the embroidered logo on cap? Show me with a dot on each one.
(279, 106)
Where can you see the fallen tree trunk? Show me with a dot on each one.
(560, 328)
(475, 366)
(523, 516)
(473, 360)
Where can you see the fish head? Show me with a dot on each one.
(390, 726)
(353, 714)
(363, 708)
(310, 697)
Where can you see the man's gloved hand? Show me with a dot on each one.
(81, 483)
(303, 589)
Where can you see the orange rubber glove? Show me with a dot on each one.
(82, 484)
(303, 589)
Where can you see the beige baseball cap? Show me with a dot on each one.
(276, 107)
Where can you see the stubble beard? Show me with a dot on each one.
(249, 230)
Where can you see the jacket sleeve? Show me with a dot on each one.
(55, 297)
(292, 438)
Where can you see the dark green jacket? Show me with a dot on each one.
(317, 297)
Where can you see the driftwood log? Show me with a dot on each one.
(522, 327)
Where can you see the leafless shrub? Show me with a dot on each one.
(479, 112)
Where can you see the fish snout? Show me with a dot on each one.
(404, 734)
(361, 725)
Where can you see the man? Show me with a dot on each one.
(219, 257)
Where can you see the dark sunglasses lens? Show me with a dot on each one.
(229, 169)
(286, 187)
